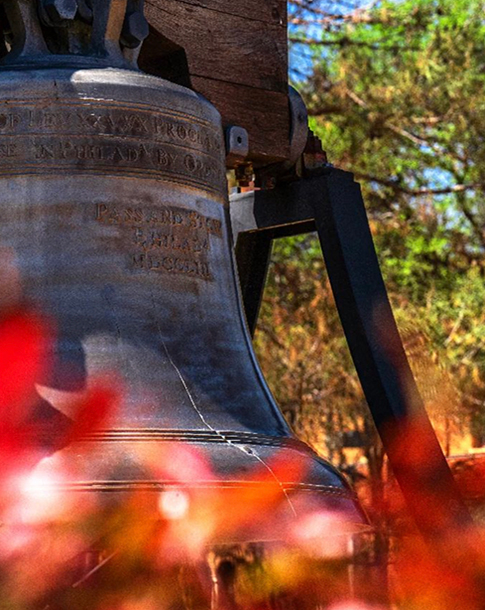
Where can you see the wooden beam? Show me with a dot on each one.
(264, 114)
(223, 45)
(235, 53)
(269, 11)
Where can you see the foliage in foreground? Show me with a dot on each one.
(183, 547)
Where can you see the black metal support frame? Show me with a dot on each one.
(332, 204)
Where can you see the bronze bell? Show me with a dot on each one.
(114, 206)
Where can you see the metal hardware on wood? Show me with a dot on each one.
(237, 145)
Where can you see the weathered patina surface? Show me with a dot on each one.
(113, 205)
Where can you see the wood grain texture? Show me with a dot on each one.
(264, 114)
(235, 53)
(225, 46)
(270, 11)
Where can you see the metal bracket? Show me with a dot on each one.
(331, 203)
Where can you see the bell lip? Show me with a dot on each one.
(287, 502)
(343, 515)
(307, 472)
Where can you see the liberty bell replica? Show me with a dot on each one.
(114, 211)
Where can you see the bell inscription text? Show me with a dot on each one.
(110, 139)
(164, 239)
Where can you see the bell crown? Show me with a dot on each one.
(83, 32)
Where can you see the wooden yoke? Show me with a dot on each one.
(233, 53)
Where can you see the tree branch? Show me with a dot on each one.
(396, 129)
(355, 13)
(345, 41)
(396, 186)
(477, 227)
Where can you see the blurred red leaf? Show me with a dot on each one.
(24, 360)
(94, 410)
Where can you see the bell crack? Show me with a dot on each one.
(251, 453)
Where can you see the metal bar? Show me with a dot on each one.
(253, 236)
(253, 253)
(408, 437)
(273, 210)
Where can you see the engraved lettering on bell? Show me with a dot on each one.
(121, 139)
(119, 120)
(111, 31)
(165, 239)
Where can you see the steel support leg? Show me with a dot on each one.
(332, 203)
